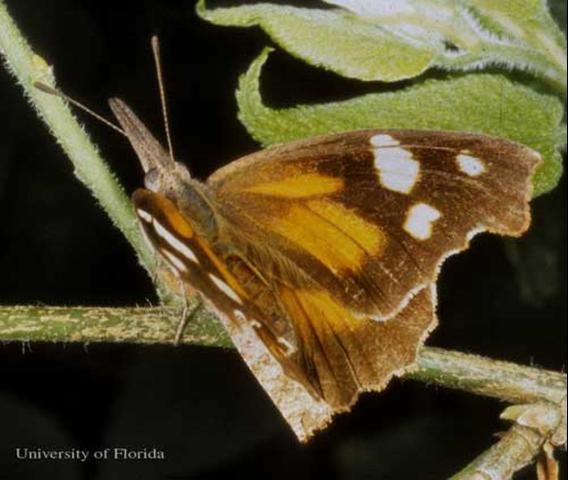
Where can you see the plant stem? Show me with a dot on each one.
(101, 324)
(517, 448)
(90, 168)
(470, 373)
(492, 378)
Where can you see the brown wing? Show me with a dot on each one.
(320, 343)
(344, 355)
(369, 216)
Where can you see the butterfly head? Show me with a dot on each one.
(163, 175)
(162, 172)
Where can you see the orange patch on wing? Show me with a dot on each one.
(180, 224)
(333, 234)
(315, 305)
(299, 186)
(328, 349)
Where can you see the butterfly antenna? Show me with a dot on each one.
(53, 91)
(160, 78)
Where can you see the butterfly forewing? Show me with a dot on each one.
(370, 215)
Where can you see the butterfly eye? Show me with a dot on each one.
(152, 180)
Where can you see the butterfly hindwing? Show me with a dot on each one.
(345, 355)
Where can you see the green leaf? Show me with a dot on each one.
(484, 103)
(524, 21)
(333, 39)
(528, 26)
(394, 40)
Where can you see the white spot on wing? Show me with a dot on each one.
(419, 220)
(221, 285)
(469, 165)
(144, 215)
(383, 140)
(398, 171)
(173, 242)
(174, 261)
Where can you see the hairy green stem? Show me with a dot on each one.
(471, 373)
(492, 378)
(103, 324)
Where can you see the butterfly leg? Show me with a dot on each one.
(187, 313)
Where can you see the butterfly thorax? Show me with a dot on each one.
(195, 202)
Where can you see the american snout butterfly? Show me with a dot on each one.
(321, 256)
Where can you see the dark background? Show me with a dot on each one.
(201, 405)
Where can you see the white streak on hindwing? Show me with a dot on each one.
(174, 261)
(226, 289)
(144, 215)
(174, 242)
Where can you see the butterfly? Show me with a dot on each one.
(321, 256)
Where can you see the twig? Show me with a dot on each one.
(517, 448)
(538, 428)
(492, 378)
(470, 373)
(100, 324)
